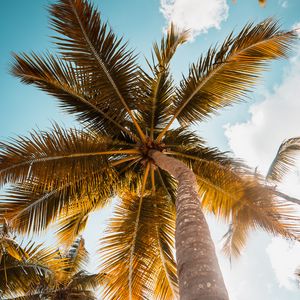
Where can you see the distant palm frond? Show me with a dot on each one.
(259, 209)
(284, 159)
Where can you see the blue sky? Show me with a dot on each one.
(251, 130)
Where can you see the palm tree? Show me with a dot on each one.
(22, 268)
(71, 281)
(129, 147)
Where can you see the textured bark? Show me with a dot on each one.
(199, 274)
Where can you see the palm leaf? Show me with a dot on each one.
(219, 177)
(83, 281)
(80, 174)
(259, 209)
(226, 74)
(166, 282)
(32, 207)
(67, 154)
(69, 83)
(149, 260)
(284, 159)
(10, 247)
(73, 219)
(68, 280)
(72, 224)
(47, 259)
(89, 43)
(23, 275)
(157, 89)
(14, 296)
(166, 182)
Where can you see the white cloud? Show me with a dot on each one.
(274, 119)
(195, 15)
(296, 27)
(285, 259)
(283, 3)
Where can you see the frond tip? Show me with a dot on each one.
(285, 159)
(260, 210)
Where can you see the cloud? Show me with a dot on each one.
(197, 16)
(283, 3)
(274, 119)
(285, 259)
(296, 27)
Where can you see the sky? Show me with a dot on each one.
(252, 130)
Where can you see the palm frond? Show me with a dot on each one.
(59, 153)
(72, 224)
(230, 190)
(69, 84)
(68, 280)
(220, 188)
(87, 41)
(166, 282)
(8, 246)
(226, 74)
(14, 296)
(167, 183)
(84, 281)
(153, 253)
(284, 159)
(31, 207)
(259, 209)
(24, 275)
(157, 89)
(47, 259)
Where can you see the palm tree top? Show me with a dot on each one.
(126, 113)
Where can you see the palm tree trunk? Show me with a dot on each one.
(199, 274)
